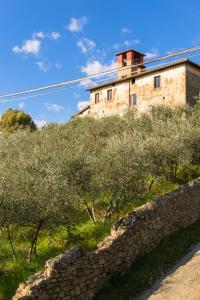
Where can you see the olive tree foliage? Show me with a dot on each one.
(48, 177)
(10, 205)
(31, 185)
(167, 150)
(122, 171)
(192, 135)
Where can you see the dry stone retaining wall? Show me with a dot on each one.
(79, 275)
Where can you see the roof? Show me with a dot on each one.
(129, 51)
(81, 111)
(143, 72)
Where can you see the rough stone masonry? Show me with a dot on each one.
(79, 275)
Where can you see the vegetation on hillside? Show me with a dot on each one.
(67, 184)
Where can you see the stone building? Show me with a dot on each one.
(175, 83)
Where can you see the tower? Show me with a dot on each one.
(129, 58)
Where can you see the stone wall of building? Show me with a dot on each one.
(172, 92)
(79, 275)
(118, 105)
(192, 84)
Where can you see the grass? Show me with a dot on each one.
(146, 269)
(50, 244)
(14, 271)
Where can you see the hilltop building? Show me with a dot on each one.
(175, 83)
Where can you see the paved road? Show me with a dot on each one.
(181, 283)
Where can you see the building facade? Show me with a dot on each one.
(172, 84)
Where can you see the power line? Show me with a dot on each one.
(99, 74)
(86, 84)
(52, 92)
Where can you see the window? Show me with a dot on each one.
(109, 94)
(156, 82)
(96, 98)
(133, 80)
(124, 60)
(133, 99)
(136, 60)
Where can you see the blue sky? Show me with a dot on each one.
(44, 42)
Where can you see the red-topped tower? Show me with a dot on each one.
(129, 58)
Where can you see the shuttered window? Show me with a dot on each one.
(96, 98)
(109, 94)
(133, 99)
(156, 82)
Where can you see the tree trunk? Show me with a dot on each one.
(93, 214)
(110, 211)
(11, 243)
(90, 212)
(175, 171)
(151, 185)
(113, 206)
(33, 249)
(70, 236)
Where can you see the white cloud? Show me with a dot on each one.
(153, 53)
(77, 25)
(55, 35)
(129, 43)
(126, 43)
(59, 65)
(196, 40)
(42, 66)
(32, 46)
(88, 83)
(125, 30)
(136, 41)
(174, 50)
(40, 123)
(102, 53)
(82, 104)
(39, 35)
(86, 45)
(22, 105)
(76, 95)
(116, 46)
(54, 107)
(93, 67)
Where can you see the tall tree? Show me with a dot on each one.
(14, 119)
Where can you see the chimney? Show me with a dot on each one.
(129, 58)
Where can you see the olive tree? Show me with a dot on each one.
(35, 182)
(122, 171)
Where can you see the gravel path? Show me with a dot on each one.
(181, 283)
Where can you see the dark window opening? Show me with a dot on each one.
(124, 60)
(109, 94)
(133, 80)
(156, 82)
(136, 60)
(133, 99)
(96, 98)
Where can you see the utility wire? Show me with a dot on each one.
(56, 91)
(99, 74)
(85, 84)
